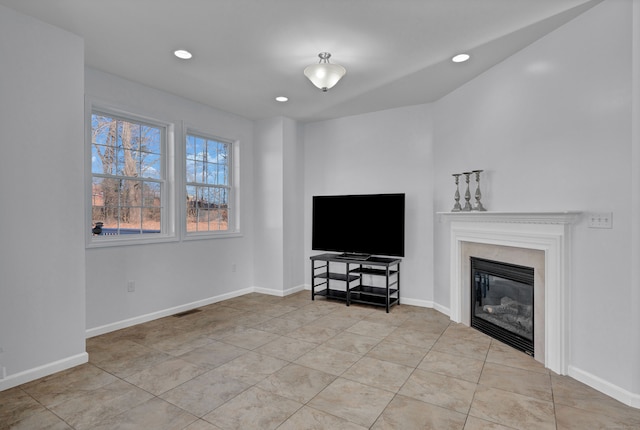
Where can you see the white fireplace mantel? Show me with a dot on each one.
(566, 217)
(545, 231)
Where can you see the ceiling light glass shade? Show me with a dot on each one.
(183, 54)
(460, 58)
(324, 75)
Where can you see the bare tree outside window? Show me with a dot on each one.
(126, 166)
(208, 184)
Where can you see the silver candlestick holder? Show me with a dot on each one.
(456, 196)
(467, 194)
(478, 206)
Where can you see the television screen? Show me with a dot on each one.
(370, 224)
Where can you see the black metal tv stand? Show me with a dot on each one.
(347, 284)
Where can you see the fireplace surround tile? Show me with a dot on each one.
(512, 255)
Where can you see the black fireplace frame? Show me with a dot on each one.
(513, 272)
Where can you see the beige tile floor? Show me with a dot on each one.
(262, 362)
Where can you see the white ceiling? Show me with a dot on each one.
(247, 52)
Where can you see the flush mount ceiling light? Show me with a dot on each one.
(460, 58)
(282, 99)
(183, 54)
(324, 75)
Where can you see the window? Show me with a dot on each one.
(128, 178)
(208, 185)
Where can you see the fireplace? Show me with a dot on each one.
(546, 233)
(502, 302)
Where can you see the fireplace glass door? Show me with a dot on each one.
(502, 302)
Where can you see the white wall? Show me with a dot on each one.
(552, 128)
(268, 205)
(169, 275)
(278, 188)
(293, 211)
(635, 191)
(42, 313)
(382, 152)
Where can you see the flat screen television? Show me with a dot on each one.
(359, 225)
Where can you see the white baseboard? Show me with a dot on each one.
(611, 390)
(410, 302)
(96, 331)
(38, 372)
(425, 304)
(442, 309)
(45, 370)
(279, 293)
(416, 302)
(107, 328)
(294, 290)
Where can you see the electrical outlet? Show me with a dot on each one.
(131, 286)
(601, 220)
(3, 372)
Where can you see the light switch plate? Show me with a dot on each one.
(600, 219)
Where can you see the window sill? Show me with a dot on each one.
(209, 235)
(107, 242)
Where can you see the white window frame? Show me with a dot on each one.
(233, 187)
(168, 179)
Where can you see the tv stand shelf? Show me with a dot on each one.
(323, 280)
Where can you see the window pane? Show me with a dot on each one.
(224, 209)
(130, 204)
(207, 166)
(118, 132)
(212, 172)
(105, 191)
(200, 171)
(207, 198)
(128, 161)
(222, 152)
(119, 162)
(101, 130)
(134, 141)
(224, 197)
(214, 218)
(151, 139)
(120, 150)
(202, 220)
(103, 159)
(223, 175)
(98, 152)
(97, 199)
(191, 148)
(222, 213)
(150, 165)
(191, 171)
(130, 220)
(192, 210)
(151, 194)
(201, 194)
(151, 220)
(131, 193)
(200, 148)
(212, 147)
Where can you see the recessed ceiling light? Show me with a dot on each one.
(460, 58)
(282, 99)
(181, 53)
